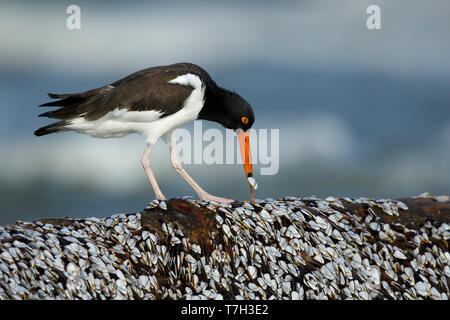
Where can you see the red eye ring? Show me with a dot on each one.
(244, 120)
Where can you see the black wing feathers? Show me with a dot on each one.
(54, 127)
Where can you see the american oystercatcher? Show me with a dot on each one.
(154, 102)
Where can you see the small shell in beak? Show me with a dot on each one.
(252, 182)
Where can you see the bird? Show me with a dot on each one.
(154, 102)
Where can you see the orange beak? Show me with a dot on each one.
(244, 144)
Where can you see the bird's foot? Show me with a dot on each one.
(210, 197)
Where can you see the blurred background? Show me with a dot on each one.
(360, 112)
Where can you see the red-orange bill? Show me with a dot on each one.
(244, 144)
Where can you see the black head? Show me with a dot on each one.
(230, 110)
(233, 112)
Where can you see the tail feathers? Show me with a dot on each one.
(54, 127)
(45, 114)
(59, 95)
(72, 98)
(66, 101)
(71, 105)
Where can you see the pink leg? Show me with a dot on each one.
(145, 160)
(201, 193)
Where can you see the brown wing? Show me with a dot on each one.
(144, 90)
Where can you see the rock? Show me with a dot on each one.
(292, 248)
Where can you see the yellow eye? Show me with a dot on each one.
(244, 120)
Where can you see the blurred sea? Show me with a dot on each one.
(360, 113)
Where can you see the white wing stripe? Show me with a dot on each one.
(188, 79)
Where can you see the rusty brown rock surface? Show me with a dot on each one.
(291, 248)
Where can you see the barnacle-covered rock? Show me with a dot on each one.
(291, 248)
